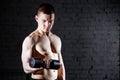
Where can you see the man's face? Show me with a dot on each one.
(45, 21)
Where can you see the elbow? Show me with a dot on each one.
(26, 71)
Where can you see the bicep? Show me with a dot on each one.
(26, 55)
(26, 50)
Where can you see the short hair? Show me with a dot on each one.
(45, 8)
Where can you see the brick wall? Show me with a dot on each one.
(89, 30)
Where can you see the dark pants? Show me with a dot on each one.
(38, 79)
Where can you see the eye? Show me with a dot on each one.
(44, 21)
(50, 21)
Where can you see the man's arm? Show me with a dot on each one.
(27, 54)
(61, 70)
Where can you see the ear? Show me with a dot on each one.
(36, 18)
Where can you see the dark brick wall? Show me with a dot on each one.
(89, 30)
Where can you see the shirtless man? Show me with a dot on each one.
(43, 44)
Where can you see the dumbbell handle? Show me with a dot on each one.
(50, 64)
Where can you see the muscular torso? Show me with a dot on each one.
(45, 47)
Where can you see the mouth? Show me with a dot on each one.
(47, 29)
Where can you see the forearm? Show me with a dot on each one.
(28, 69)
(63, 73)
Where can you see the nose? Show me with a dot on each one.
(48, 23)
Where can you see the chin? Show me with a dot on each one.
(46, 31)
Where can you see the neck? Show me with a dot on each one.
(41, 32)
(47, 33)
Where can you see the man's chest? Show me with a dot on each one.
(47, 45)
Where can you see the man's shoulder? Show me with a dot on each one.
(34, 35)
(31, 37)
(55, 36)
(28, 39)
